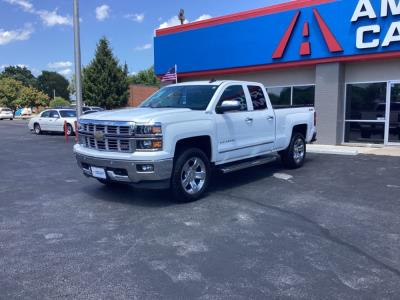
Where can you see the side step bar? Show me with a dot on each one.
(237, 166)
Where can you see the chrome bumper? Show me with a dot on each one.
(126, 171)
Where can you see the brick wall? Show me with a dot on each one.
(138, 93)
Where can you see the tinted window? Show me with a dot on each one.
(366, 101)
(54, 114)
(45, 114)
(235, 92)
(68, 113)
(280, 96)
(195, 97)
(257, 97)
(303, 95)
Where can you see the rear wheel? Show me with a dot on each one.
(70, 130)
(37, 129)
(294, 156)
(191, 175)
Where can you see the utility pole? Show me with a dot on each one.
(77, 47)
(54, 94)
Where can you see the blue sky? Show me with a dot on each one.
(38, 33)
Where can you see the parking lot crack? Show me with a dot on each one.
(326, 233)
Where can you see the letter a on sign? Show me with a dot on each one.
(364, 9)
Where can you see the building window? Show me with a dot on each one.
(365, 113)
(292, 96)
(257, 97)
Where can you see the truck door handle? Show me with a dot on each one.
(249, 120)
(270, 118)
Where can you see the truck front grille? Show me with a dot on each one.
(107, 136)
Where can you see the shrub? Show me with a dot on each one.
(58, 101)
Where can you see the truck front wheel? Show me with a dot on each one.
(191, 175)
(294, 156)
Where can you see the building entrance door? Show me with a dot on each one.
(392, 130)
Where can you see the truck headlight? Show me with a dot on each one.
(149, 129)
(149, 145)
(81, 127)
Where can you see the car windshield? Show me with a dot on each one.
(68, 113)
(7, 110)
(196, 97)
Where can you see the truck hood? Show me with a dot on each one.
(140, 115)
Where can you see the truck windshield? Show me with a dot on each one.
(196, 97)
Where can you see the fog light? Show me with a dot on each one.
(145, 168)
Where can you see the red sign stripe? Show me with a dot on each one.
(329, 38)
(286, 37)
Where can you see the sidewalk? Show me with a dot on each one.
(350, 150)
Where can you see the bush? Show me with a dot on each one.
(58, 101)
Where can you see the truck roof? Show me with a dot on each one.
(217, 82)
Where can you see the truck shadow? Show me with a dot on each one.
(129, 195)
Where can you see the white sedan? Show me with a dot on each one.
(53, 120)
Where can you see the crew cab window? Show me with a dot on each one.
(235, 92)
(54, 114)
(45, 114)
(257, 97)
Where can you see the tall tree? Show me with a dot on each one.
(9, 91)
(22, 74)
(50, 82)
(104, 80)
(146, 77)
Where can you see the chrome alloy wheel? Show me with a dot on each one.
(298, 150)
(193, 175)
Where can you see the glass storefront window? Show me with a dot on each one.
(280, 96)
(366, 101)
(303, 95)
(365, 132)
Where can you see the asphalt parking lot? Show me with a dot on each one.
(330, 230)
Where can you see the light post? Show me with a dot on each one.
(77, 51)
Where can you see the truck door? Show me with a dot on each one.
(234, 128)
(263, 126)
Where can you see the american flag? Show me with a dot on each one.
(171, 75)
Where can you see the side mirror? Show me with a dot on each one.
(229, 105)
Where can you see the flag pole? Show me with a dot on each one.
(176, 71)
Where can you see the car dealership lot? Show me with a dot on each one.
(328, 230)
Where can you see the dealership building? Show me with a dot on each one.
(342, 56)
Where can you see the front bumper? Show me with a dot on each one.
(125, 171)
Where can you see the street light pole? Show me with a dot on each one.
(77, 47)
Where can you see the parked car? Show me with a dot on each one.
(86, 109)
(90, 112)
(53, 120)
(6, 113)
(183, 132)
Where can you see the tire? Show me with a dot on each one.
(11, 119)
(294, 156)
(70, 130)
(191, 175)
(37, 129)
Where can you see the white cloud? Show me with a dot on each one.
(60, 64)
(174, 21)
(203, 17)
(24, 4)
(144, 47)
(139, 18)
(65, 72)
(49, 18)
(52, 18)
(102, 12)
(9, 36)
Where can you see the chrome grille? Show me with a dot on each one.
(118, 136)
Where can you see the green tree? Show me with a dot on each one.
(31, 97)
(58, 101)
(146, 77)
(9, 91)
(22, 74)
(105, 83)
(50, 82)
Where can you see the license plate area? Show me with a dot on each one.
(98, 172)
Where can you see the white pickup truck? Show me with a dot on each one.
(178, 136)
